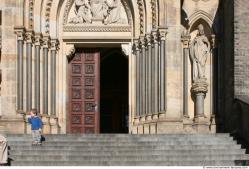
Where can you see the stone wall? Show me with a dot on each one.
(11, 10)
(241, 42)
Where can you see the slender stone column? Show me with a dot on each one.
(163, 82)
(54, 48)
(156, 72)
(38, 42)
(137, 53)
(29, 43)
(46, 46)
(143, 79)
(20, 32)
(149, 80)
(185, 42)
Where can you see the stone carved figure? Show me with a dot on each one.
(113, 12)
(199, 52)
(82, 12)
(86, 11)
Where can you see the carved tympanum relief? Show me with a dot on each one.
(199, 52)
(98, 11)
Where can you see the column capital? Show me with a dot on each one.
(154, 34)
(136, 44)
(162, 32)
(29, 36)
(54, 44)
(46, 41)
(20, 32)
(185, 40)
(148, 39)
(142, 41)
(38, 39)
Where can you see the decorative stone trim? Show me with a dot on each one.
(47, 15)
(97, 29)
(141, 15)
(154, 13)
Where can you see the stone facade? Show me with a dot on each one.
(158, 38)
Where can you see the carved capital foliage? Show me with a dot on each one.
(162, 33)
(38, 39)
(46, 41)
(142, 41)
(70, 51)
(54, 44)
(155, 37)
(185, 40)
(148, 39)
(200, 86)
(20, 33)
(136, 44)
(29, 36)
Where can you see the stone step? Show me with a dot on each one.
(86, 143)
(125, 147)
(29, 137)
(154, 158)
(129, 152)
(134, 163)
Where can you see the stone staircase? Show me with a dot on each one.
(127, 150)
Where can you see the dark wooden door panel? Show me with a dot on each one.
(84, 92)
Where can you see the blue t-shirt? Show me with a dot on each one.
(35, 122)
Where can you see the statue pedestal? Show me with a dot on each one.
(199, 90)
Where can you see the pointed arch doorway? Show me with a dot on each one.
(98, 91)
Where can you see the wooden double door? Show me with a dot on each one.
(84, 92)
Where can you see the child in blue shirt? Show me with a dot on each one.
(36, 127)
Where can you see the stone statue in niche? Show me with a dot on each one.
(199, 52)
(106, 11)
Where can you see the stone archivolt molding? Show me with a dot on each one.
(90, 27)
(31, 13)
(154, 12)
(141, 15)
(47, 15)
